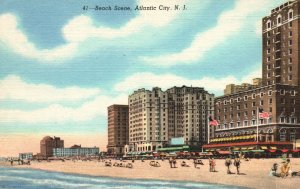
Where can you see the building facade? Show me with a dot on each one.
(118, 129)
(237, 112)
(156, 116)
(75, 150)
(28, 156)
(48, 143)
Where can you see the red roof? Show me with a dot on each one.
(244, 144)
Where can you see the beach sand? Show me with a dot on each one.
(255, 173)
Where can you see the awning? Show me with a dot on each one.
(263, 147)
(257, 151)
(236, 149)
(285, 150)
(296, 150)
(273, 147)
(272, 151)
(251, 148)
(223, 152)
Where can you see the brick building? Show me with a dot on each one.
(48, 143)
(118, 124)
(237, 112)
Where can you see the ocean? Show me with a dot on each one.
(11, 178)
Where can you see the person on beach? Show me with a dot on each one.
(210, 164)
(11, 162)
(171, 163)
(285, 168)
(174, 162)
(213, 165)
(237, 164)
(227, 164)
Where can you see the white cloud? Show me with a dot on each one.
(15, 39)
(58, 113)
(149, 80)
(81, 28)
(229, 24)
(14, 88)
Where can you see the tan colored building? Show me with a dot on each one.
(118, 125)
(47, 144)
(232, 88)
(156, 116)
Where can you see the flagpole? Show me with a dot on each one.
(257, 114)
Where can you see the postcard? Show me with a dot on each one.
(149, 94)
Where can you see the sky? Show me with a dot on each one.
(62, 65)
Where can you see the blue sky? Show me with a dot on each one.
(61, 66)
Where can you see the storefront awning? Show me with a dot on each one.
(257, 151)
(296, 150)
(223, 152)
(263, 147)
(285, 150)
(273, 148)
(272, 151)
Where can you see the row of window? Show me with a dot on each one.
(279, 19)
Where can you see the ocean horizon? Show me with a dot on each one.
(14, 178)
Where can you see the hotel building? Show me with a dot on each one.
(118, 133)
(237, 111)
(75, 150)
(48, 143)
(156, 116)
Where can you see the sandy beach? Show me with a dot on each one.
(255, 173)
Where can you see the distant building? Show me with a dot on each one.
(118, 129)
(156, 116)
(75, 150)
(48, 143)
(232, 88)
(28, 156)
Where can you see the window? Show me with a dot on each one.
(246, 113)
(238, 107)
(290, 69)
(245, 123)
(269, 75)
(279, 19)
(290, 51)
(293, 93)
(282, 91)
(290, 77)
(245, 97)
(268, 66)
(270, 101)
(231, 125)
(238, 124)
(268, 42)
(238, 99)
(253, 95)
(245, 106)
(261, 121)
(261, 103)
(281, 119)
(290, 24)
(290, 33)
(268, 50)
(290, 14)
(253, 112)
(268, 34)
(290, 42)
(282, 135)
(253, 122)
(268, 59)
(253, 104)
(269, 24)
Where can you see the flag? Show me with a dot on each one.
(263, 115)
(213, 122)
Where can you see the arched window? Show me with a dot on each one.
(290, 14)
(268, 24)
(279, 19)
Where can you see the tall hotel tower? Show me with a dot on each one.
(278, 95)
(156, 116)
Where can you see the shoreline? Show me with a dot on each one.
(255, 173)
